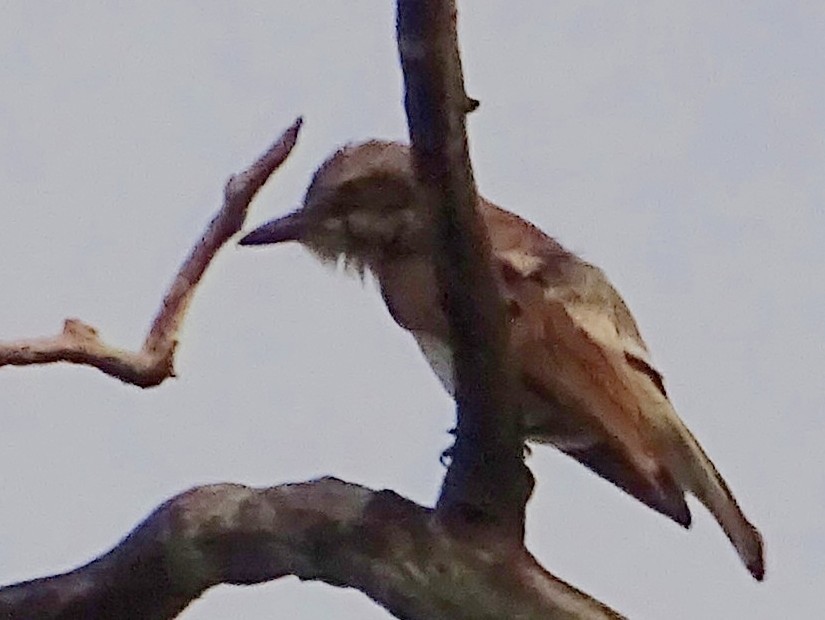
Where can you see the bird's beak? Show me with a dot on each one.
(290, 227)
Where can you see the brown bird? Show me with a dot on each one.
(587, 384)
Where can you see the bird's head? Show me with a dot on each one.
(361, 206)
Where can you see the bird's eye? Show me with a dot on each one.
(360, 223)
(333, 224)
(408, 217)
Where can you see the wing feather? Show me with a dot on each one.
(574, 355)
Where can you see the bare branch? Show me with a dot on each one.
(391, 549)
(80, 343)
(487, 482)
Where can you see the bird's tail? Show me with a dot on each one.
(699, 476)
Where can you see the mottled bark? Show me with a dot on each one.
(393, 550)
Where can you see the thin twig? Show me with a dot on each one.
(80, 343)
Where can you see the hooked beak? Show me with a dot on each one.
(290, 227)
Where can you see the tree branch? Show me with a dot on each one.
(415, 562)
(487, 482)
(80, 343)
(391, 549)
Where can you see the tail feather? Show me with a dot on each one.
(700, 477)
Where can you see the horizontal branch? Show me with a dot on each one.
(80, 343)
(391, 549)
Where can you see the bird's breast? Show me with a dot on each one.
(439, 356)
(410, 290)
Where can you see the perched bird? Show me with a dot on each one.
(586, 382)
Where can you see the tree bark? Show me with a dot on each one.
(393, 550)
(487, 484)
(80, 343)
(465, 559)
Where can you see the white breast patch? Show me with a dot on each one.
(439, 357)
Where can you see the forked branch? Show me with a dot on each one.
(412, 560)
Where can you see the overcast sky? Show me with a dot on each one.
(681, 146)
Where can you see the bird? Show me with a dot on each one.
(585, 381)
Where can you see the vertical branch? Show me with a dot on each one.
(487, 482)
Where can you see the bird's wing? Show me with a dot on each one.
(681, 453)
(573, 355)
(579, 347)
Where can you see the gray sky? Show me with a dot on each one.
(681, 146)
